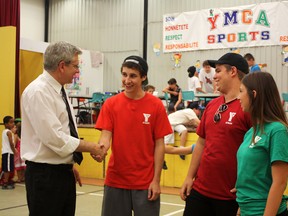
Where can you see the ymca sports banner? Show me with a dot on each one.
(215, 28)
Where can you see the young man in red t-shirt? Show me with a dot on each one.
(213, 168)
(136, 122)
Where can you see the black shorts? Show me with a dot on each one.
(200, 205)
(8, 162)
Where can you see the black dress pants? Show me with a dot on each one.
(50, 189)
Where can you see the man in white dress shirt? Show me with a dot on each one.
(46, 141)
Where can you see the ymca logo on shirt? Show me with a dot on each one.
(231, 116)
(257, 139)
(146, 118)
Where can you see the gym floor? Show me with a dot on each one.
(89, 200)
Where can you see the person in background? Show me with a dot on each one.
(136, 122)
(175, 92)
(149, 89)
(193, 80)
(178, 120)
(20, 165)
(206, 78)
(169, 149)
(251, 62)
(49, 138)
(8, 152)
(179, 151)
(213, 168)
(263, 156)
(194, 85)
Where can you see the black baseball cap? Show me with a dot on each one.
(232, 59)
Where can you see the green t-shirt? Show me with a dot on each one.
(254, 176)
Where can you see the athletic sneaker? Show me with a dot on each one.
(182, 157)
(165, 165)
(8, 187)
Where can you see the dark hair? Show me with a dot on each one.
(18, 126)
(6, 119)
(240, 74)
(172, 81)
(147, 87)
(205, 63)
(249, 56)
(191, 71)
(194, 105)
(137, 63)
(266, 106)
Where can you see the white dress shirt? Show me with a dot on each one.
(45, 135)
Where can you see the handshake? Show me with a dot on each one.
(99, 152)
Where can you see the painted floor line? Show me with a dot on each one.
(172, 204)
(174, 213)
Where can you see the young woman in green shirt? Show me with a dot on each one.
(263, 156)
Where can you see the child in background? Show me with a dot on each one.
(178, 120)
(251, 62)
(149, 89)
(169, 149)
(8, 151)
(19, 163)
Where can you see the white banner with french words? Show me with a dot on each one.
(242, 26)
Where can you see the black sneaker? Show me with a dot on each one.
(164, 165)
(182, 157)
(7, 187)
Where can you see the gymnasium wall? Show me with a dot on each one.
(7, 73)
(7, 70)
(116, 29)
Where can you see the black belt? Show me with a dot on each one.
(50, 166)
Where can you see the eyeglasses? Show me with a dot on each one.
(217, 116)
(75, 66)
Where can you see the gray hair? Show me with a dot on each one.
(59, 51)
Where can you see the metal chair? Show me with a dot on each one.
(285, 100)
(167, 99)
(106, 96)
(187, 96)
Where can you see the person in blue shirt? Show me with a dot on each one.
(251, 62)
(262, 159)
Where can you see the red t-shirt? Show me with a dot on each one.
(217, 172)
(135, 125)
